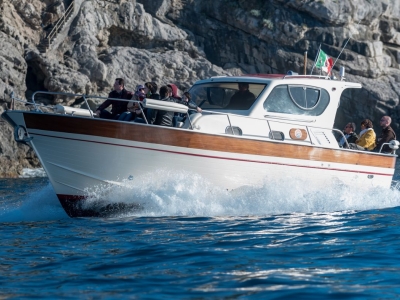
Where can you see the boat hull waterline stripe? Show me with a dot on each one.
(202, 141)
(216, 157)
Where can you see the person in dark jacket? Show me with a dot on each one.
(193, 108)
(386, 136)
(349, 134)
(174, 89)
(150, 88)
(242, 99)
(117, 107)
(162, 117)
(187, 100)
(166, 118)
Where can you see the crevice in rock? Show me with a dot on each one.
(126, 38)
(35, 82)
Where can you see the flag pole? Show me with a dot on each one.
(305, 63)
(315, 60)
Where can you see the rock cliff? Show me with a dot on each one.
(181, 41)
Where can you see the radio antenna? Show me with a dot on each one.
(343, 47)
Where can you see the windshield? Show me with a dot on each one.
(226, 95)
(297, 100)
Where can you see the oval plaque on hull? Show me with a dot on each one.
(298, 134)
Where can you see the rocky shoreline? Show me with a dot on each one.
(181, 41)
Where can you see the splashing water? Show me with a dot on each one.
(38, 205)
(172, 193)
(169, 193)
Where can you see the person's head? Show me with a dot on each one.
(186, 96)
(139, 88)
(165, 91)
(150, 88)
(119, 84)
(349, 128)
(385, 121)
(139, 93)
(366, 124)
(174, 89)
(243, 86)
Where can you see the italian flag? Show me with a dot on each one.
(324, 62)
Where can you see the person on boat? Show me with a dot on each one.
(174, 89)
(150, 89)
(187, 100)
(349, 135)
(386, 136)
(367, 138)
(117, 107)
(133, 107)
(193, 108)
(162, 117)
(243, 98)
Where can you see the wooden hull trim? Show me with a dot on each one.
(201, 141)
(219, 157)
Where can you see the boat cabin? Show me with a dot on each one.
(299, 109)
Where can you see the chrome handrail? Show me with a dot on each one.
(280, 121)
(286, 76)
(84, 96)
(60, 22)
(228, 115)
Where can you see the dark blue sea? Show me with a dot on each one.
(285, 240)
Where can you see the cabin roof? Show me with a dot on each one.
(267, 78)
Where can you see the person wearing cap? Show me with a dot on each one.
(133, 106)
(140, 94)
(117, 107)
(174, 89)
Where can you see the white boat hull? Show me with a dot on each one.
(79, 154)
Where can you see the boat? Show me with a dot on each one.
(284, 130)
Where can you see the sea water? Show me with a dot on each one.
(191, 240)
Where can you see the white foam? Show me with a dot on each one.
(171, 193)
(167, 193)
(29, 173)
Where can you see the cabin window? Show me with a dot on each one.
(297, 100)
(226, 95)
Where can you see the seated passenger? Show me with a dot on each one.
(117, 107)
(349, 135)
(187, 100)
(242, 99)
(367, 137)
(174, 89)
(133, 107)
(162, 117)
(150, 89)
(386, 136)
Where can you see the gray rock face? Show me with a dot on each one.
(182, 41)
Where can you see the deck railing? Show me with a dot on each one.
(230, 127)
